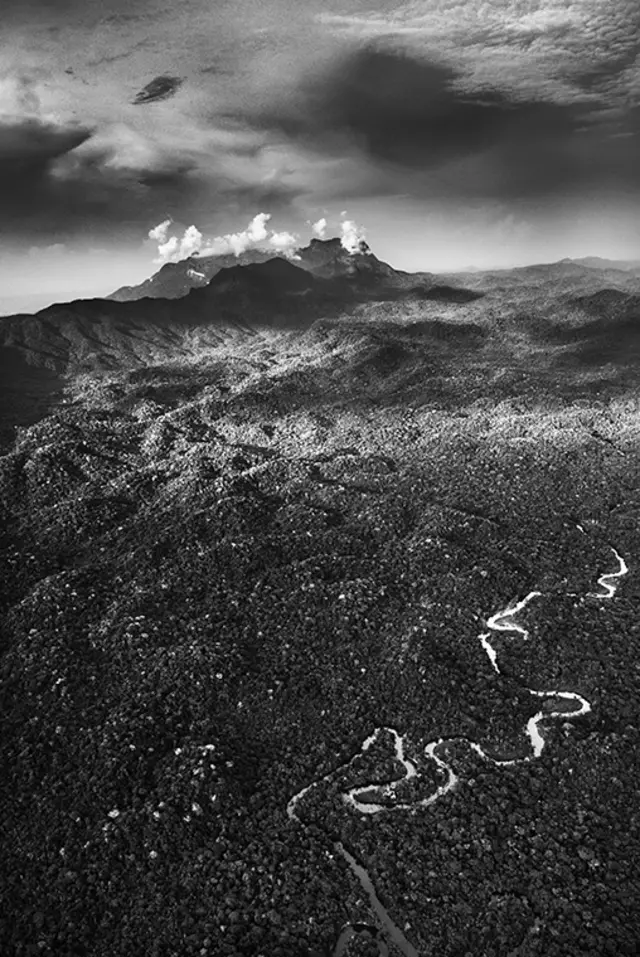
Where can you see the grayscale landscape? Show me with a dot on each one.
(320, 561)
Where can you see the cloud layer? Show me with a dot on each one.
(299, 108)
(172, 249)
(192, 241)
(320, 228)
(60, 180)
(425, 119)
(352, 236)
(32, 143)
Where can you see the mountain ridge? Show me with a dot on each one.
(325, 258)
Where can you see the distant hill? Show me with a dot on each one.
(444, 293)
(609, 304)
(565, 277)
(597, 262)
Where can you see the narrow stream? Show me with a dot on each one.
(570, 705)
(394, 933)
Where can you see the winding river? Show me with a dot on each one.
(363, 798)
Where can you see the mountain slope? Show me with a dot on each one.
(101, 334)
(538, 315)
(174, 280)
(330, 260)
(327, 259)
(274, 278)
(273, 293)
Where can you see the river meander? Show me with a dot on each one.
(376, 798)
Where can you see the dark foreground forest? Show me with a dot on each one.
(224, 569)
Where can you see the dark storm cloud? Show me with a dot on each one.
(26, 143)
(51, 189)
(70, 194)
(400, 111)
(160, 88)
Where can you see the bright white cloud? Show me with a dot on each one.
(256, 232)
(160, 232)
(172, 249)
(320, 228)
(257, 228)
(190, 242)
(285, 243)
(176, 248)
(237, 243)
(352, 236)
(168, 251)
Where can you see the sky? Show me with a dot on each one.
(457, 133)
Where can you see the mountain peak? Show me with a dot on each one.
(335, 245)
(325, 258)
(278, 276)
(319, 243)
(328, 259)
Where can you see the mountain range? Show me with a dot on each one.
(187, 309)
(239, 294)
(327, 259)
(257, 537)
